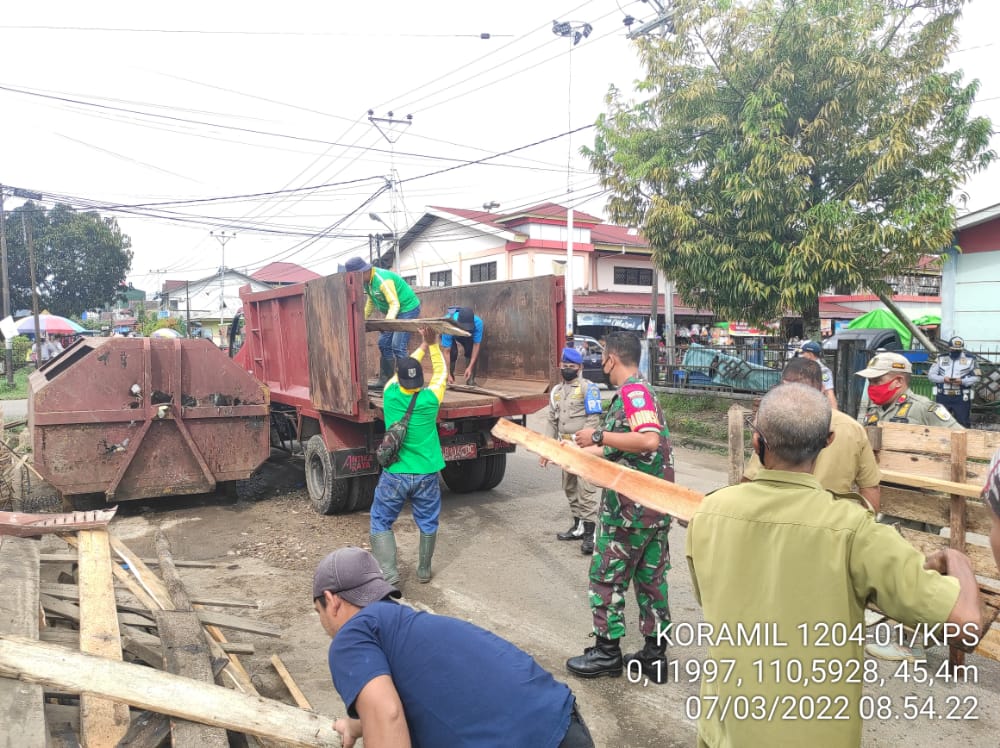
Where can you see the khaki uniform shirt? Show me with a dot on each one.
(912, 408)
(568, 406)
(848, 462)
(795, 561)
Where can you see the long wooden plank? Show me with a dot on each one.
(103, 722)
(970, 490)
(661, 495)
(735, 437)
(185, 652)
(146, 688)
(904, 437)
(293, 688)
(981, 557)
(956, 538)
(20, 703)
(126, 600)
(989, 646)
(71, 612)
(932, 508)
(927, 466)
(440, 325)
(71, 558)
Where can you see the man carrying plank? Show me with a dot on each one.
(414, 678)
(783, 560)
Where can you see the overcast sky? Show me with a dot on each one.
(135, 103)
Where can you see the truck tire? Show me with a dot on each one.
(496, 466)
(327, 494)
(362, 492)
(464, 476)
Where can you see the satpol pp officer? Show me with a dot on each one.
(575, 404)
(893, 401)
(954, 375)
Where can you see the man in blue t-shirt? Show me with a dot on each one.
(466, 319)
(413, 678)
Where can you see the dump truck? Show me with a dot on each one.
(308, 344)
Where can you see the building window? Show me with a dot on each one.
(174, 304)
(410, 280)
(441, 278)
(486, 271)
(625, 276)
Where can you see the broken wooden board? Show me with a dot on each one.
(103, 722)
(127, 601)
(660, 495)
(440, 325)
(293, 688)
(25, 525)
(482, 390)
(20, 703)
(146, 688)
(71, 558)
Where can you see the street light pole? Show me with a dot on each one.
(223, 237)
(8, 342)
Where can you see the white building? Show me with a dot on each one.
(970, 281)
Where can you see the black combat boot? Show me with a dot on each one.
(573, 533)
(604, 658)
(387, 368)
(587, 546)
(652, 659)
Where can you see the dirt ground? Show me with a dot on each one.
(497, 565)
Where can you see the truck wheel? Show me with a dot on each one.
(464, 476)
(496, 466)
(362, 492)
(327, 494)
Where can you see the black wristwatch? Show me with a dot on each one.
(597, 437)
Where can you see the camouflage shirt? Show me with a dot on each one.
(635, 408)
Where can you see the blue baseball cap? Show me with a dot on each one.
(811, 346)
(572, 356)
(356, 263)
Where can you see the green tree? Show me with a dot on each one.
(782, 147)
(81, 259)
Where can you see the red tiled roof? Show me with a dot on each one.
(633, 303)
(550, 210)
(830, 310)
(172, 285)
(284, 272)
(606, 233)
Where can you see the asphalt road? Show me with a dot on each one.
(14, 409)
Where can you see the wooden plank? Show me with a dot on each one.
(440, 325)
(970, 490)
(71, 558)
(71, 612)
(126, 600)
(185, 652)
(148, 730)
(982, 559)
(736, 461)
(932, 508)
(66, 637)
(904, 437)
(989, 646)
(166, 693)
(63, 714)
(103, 722)
(293, 688)
(956, 538)
(20, 703)
(25, 525)
(925, 466)
(169, 573)
(661, 495)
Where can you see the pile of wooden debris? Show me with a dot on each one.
(123, 657)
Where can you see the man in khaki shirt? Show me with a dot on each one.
(849, 461)
(787, 562)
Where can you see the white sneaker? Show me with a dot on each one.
(894, 652)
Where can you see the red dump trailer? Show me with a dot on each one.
(114, 419)
(307, 343)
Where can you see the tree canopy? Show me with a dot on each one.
(81, 259)
(777, 148)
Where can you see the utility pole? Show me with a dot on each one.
(575, 31)
(664, 21)
(392, 130)
(187, 303)
(223, 237)
(8, 343)
(30, 243)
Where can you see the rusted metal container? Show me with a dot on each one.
(136, 418)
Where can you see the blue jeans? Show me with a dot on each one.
(394, 344)
(392, 491)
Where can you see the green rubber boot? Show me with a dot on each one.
(426, 553)
(384, 551)
(387, 367)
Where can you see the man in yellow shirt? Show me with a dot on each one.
(849, 462)
(792, 566)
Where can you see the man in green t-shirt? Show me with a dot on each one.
(414, 475)
(392, 296)
(792, 567)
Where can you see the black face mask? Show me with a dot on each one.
(569, 374)
(955, 355)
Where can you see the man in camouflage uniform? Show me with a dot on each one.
(575, 403)
(888, 376)
(631, 542)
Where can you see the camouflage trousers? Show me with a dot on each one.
(624, 556)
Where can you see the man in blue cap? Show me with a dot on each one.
(812, 351)
(466, 319)
(575, 403)
(391, 295)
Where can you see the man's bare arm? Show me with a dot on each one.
(383, 723)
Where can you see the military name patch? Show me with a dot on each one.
(941, 413)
